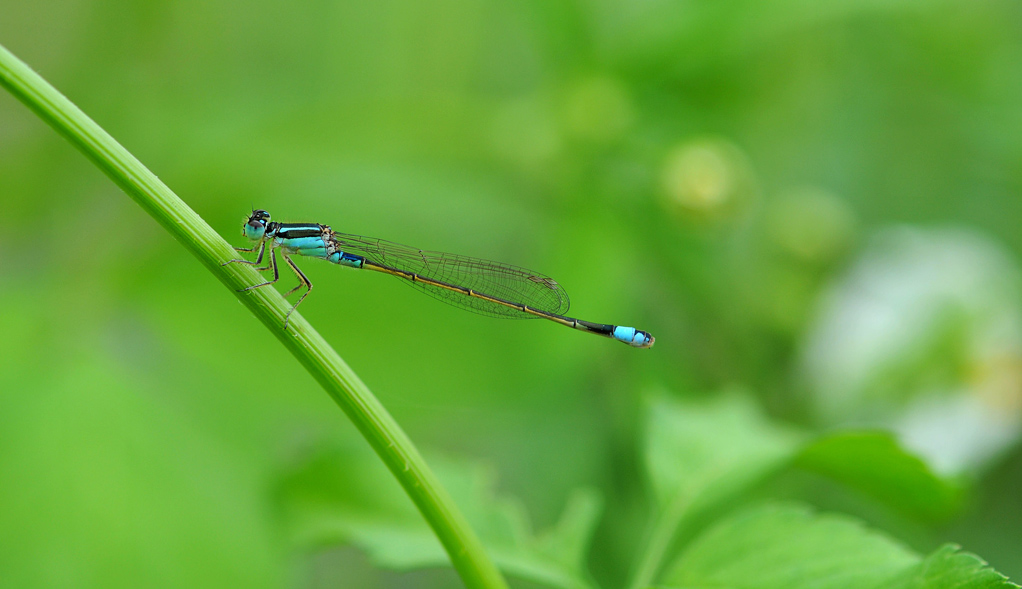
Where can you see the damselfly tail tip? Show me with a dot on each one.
(643, 339)
(633, 337)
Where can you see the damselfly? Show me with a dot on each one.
(481, 286)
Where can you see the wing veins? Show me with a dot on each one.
(511, 283)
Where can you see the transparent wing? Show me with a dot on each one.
(502, 281)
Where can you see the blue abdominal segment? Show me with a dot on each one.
(346, 259)
(633, 337)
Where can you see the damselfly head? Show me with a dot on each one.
(255, 226)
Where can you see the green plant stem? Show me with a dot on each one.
(377, 426)
(663, 532)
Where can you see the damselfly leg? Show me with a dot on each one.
(303, 280)
(258, 260)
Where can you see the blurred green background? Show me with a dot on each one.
(813, 202)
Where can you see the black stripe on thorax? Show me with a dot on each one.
(294, 230)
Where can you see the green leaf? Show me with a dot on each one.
(699, 458)
(949, 568)
(873, 463)
(720, 448)
(725, 443)
(568, 541)
(340, 496)
(703, 458)
(790, 547)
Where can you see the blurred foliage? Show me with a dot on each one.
(787, 547)
(339, 496)
(727, 175)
